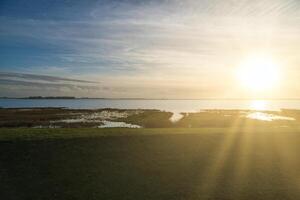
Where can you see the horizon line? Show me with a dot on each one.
(138, 98)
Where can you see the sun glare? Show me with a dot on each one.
(258, 105)
(258, 73)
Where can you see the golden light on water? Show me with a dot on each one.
(259, 73)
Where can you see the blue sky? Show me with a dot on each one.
(149, 49)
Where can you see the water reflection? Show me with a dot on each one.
(176, 117)
(267, 117)
(112, 124)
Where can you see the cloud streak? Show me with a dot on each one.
(13, 82)
(36, 77)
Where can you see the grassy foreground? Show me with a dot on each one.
(7, 134)
(10, 134)
(204, 163)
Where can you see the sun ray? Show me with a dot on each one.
(209, 182)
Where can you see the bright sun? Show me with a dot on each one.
(258, 73)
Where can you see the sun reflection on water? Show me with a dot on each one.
(262, 105)
(268, 117)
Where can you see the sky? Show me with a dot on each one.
(145, 49)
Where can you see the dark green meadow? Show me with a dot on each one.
(195, 163)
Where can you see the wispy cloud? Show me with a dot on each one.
(35, 77)
(13, 82)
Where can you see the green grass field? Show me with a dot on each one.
(14, 134)
(196, 163)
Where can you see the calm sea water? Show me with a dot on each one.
(166, 105)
